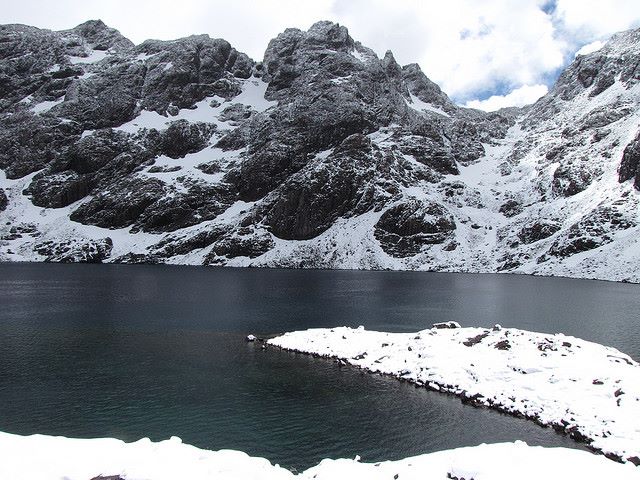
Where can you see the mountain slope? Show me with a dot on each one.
(321, 155)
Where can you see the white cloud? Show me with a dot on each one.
(525, 95)
(472, 49)
(463, 45)
(589, 19)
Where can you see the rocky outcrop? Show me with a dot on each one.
(405, 228)
(538, 231)
(183, 72)
(122, 205)
(75, 251)
(340, 185)
(4, 201)
(630, 165)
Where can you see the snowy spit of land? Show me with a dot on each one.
(60, 458)
(587, 390)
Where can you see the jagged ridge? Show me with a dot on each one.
(321, 155)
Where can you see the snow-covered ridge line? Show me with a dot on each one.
(589, 391)
(58, 458)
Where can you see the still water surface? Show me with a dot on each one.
(134, 351)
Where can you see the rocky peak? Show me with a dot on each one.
(329, 35)
(390, 65)
(424, 89)
(618, 59)
(101, 37)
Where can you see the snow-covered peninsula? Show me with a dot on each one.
(587, 390)
(59, 458)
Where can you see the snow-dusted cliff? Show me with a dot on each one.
(321, 155)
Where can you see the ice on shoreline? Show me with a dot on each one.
(590, 391)
(41, 457)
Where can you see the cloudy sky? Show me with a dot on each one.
(483, 53)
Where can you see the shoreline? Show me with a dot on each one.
(323, 269)
(60, 458)
(558, 368)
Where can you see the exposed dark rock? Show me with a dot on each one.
(122, 205)
(209, 168)
(107, 99)
(172, 246)
(183, 72)
(182, 138)
(537, 231)
(236, 113)
(164, 169)
(470, 342)
(59, 189)
(4, 201)
(100, 36)
(593, 231)
(136, 258)
(29, 142)
(431, 151)
(572, 178)
(232, 246)
(201, 202)
(75, 251)
(511, 208)
(446, 325)
(404, 229)
(630, 165)
(338, 186)
(347, 138)
(603, 116)
(93, 152)
(424, 89)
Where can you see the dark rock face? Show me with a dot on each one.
(121, 206)
(595, 72)
(101, 37)
(538, 231)
(326, 94)
(107, 99)
(29, 142)
(93, 152)
(593, 231)
(404, 229)
(339, 186)
(236, 114)
(245, 244)
(59, 189)
(183, 72)
(199, 203)
(182, 138)
(571, 178)
(511, 208)
(630, 165)
(4, 201)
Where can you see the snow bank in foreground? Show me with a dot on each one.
(590, 391)
(58, 458)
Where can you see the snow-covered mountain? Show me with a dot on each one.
(321, 155)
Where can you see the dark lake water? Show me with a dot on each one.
(135, 351)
